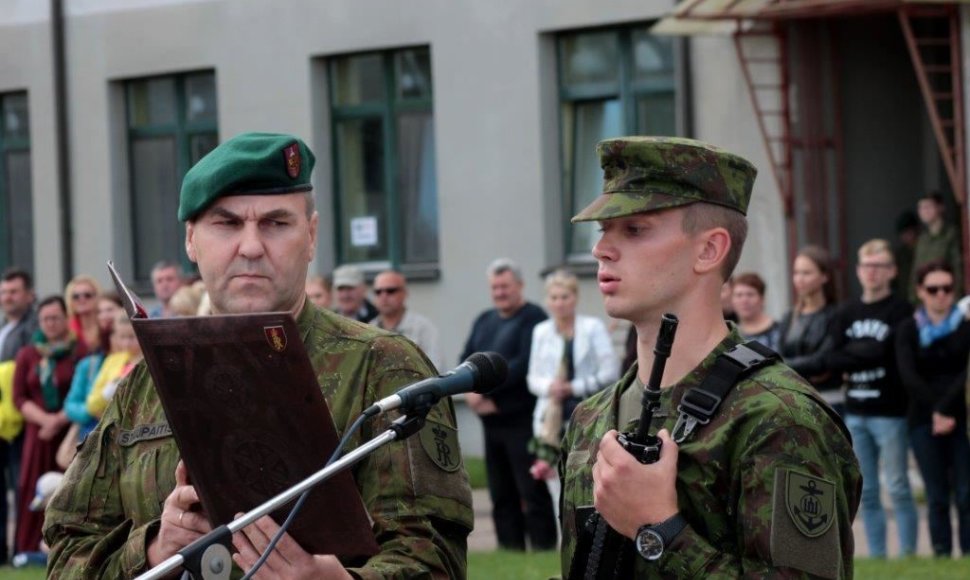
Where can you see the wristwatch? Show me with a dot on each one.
(653, 539)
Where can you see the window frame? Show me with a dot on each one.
(181, 130)
(627, 90)
(8, 145)
(388, 111)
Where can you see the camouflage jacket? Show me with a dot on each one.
(769, 487)
(100, 521)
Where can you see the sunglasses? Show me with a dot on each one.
(933, 290)
(82, 295)
(388, 291)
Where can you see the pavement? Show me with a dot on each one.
(482, 538)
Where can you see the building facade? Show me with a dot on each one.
(447, 133)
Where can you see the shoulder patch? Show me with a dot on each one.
(810, 502)
(440, 444)
(802, 536)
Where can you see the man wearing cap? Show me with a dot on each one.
(769, 486)
(352, 299)
(126, 503)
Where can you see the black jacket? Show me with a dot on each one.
(934, 376)
(806, 353)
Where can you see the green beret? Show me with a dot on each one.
(642, 174)
(247, 164)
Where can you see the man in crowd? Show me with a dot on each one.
(727, 498)
(251, 228)
(318, 291)
(506, 414)
(875, 400)
(19, 325)
(19, 318)
(352, 299)
(938, 242)
(166, 280)
(391, 292)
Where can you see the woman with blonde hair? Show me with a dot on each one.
(572, 358)
(81, 295)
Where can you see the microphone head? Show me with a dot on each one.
(491, 370)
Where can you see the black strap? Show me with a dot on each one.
(699, 404)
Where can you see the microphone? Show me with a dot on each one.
(480, 373)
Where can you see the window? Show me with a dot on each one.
(16, 213)
(383, 141)
(612, 82)
(172, 123)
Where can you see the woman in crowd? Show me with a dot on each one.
(41, 380)
(805, 331)
(116, 367)
(748, 299)
(109, 307)
(572, 357)
(186, 300)
(82, 295)
(932, 350)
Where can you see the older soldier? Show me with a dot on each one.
(770, 485)
(251, 228)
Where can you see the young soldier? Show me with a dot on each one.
(770, 485)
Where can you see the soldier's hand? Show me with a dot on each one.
(180, 525)
(620, 481)
(288, 560)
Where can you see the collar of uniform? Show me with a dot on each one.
(670, 397)
(304, 321)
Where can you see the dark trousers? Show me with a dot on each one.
(9, 473)
(520, 504)
(944, 462)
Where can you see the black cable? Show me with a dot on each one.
(302, 499)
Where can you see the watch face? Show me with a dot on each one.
(650, 544)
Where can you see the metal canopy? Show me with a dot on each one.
(692, 17)
(759, 35)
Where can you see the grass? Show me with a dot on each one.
(542, 565)
(512, 565)
(476, 472)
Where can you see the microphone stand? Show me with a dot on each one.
(209, 557)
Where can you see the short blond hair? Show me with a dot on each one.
(876, 246)
(564, 279)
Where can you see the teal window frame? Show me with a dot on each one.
(627, 89)
(387, 111)
(182, 130)
(12, 144)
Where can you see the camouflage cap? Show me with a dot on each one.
(247, 164)
(642, 174)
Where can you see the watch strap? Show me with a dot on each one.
(669, 529)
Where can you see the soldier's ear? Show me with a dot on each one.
(190, 241)
(713, 246)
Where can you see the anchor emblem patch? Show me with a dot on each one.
(811, 503)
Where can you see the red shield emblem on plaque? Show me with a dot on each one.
(292, 156)
(275, 337)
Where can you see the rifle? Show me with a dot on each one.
(608, 554)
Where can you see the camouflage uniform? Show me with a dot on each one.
(101, 520)
(770, 486)
(731, 477)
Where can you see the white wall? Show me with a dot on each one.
(495, 107)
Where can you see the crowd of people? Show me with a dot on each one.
(891, 362)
